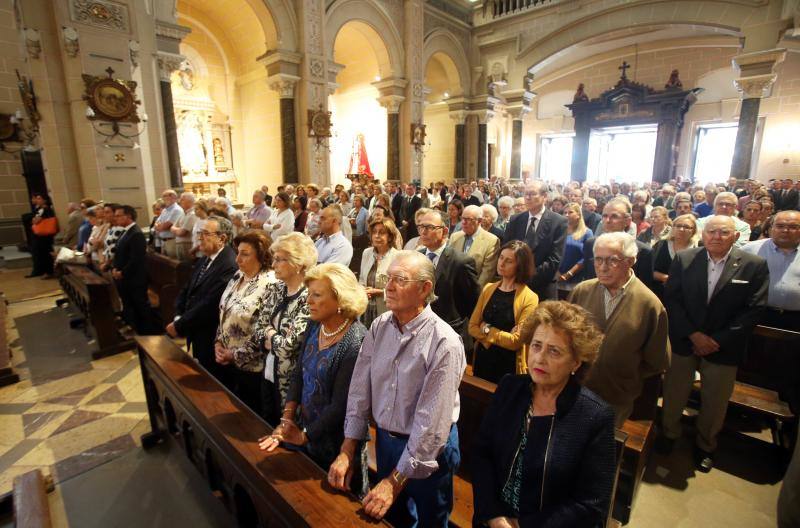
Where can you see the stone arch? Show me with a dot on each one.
(641, 14)
(278, 19)
(443, 45)
(375, 23)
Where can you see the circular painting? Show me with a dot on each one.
(112, 99)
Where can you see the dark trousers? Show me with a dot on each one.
(270, 402)
(136, 308)
(41, 253)
(246, 386)
(423, 502)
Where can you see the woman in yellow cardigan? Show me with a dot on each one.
(497, 320)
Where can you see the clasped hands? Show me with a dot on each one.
(222, 355)
(702, 344)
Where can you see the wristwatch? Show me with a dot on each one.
(399, 478)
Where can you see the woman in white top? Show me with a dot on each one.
(375, 263)
(281, 221)
(239, 308)
(312, 222)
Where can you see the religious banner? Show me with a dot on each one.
(359, 159)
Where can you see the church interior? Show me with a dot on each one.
(120, 100)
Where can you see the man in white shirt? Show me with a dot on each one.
(169, 215)
(183, 227)
(332, 246)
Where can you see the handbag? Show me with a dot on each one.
(45, 227)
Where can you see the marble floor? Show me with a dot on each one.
(80, 421)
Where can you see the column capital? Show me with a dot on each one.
(281, 62)
(391, 87)
(170, 35)
(168, 63)
(391, 103)
(757, 71)
(284, 84)
(755, 86)
(459, 116)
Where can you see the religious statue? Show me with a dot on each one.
(580, 95)
(191, 145)
(674, 82)
(219, 153)
(186, 73)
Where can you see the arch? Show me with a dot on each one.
(652, 13)
(278, 21)
(375, 24)
(212, 37)
(442, 44)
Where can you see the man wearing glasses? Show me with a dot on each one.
(633, 320)
(197, 306)
(726, 204)
(715, 295)
(406, 379)
(545, 232)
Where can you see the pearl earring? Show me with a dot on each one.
(339, 310)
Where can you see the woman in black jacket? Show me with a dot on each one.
(42, 250)
(544, 455)
(313, 417)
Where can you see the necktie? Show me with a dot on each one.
(431, 255)
(467, 243)
(203, 270)
(530, 235)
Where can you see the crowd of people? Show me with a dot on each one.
(569, 297)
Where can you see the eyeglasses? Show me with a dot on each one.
(611, 262)
(400, 281)
(204, 233)
(428, 227)
(614, 216)
(723, 233)
(786, 227)
(469, 220)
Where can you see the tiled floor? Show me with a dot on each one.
(80, 421)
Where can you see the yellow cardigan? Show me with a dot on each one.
(525, 302)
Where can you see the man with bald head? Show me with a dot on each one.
(714, 296)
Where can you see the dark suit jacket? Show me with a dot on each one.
(643, 267)
(496, 231)
(198, 303)
(397, 202)
(129, 257)
(788, 201)
(551, 234)
(407, 211)
(592, 220)
(739, 299)
(456, 288)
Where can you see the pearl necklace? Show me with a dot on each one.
(331, 334)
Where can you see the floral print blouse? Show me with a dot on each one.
(239, 308)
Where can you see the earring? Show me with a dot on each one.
(573, 373)
(338, 310)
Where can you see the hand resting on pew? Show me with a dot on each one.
(287, 432)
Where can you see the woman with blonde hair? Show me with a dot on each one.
(683, 235)
(544, 454)
(281, 325)
(570, 271)
(659, 228)
(313, 417)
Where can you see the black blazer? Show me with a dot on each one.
(579, 469)
(551, 234)
(591, 219)
(198, 303)
(456, 288)
(397, 202)
(643, 267)
(737, 304)
(129, 258)
(407, 211)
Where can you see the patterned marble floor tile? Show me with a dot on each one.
(7, 475)
(141, 428)
(32, 422)
(131, 382)
(92, 457)
(10, 392)
(18, 452)
(114, 362)
(110, 395)
(11, 429)
(14, 408)
(124, 370)
(71, 398)
(46, 431)
(134, 407)
(49, 407)
(109, 408)
(78, 418)
(53, 389)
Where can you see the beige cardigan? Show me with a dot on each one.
(525, 302)
(636, 344)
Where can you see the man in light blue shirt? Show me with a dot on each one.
(332, 245)
(783, 258)
(171, 213)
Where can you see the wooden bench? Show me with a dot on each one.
(165, 279)
(31, 508)
(219, 434)
(773, 362)
(94, 296)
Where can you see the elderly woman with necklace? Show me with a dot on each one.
(313, 417)
(544, 455)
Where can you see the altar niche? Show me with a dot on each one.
(631, 104)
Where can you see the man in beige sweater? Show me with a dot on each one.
(636, 344)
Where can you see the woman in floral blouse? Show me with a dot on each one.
(239, 308)
(281, 325)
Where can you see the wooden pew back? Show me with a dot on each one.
(31, 509)
(165, 279)
(219, 434)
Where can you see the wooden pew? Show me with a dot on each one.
(219, 434)
(31, 509)
(165, 279)
(94, 296)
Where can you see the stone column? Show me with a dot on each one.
(168, 63)
(460, 166)
(757, 74)
(285, 84)
(413, 110)
(391, 98)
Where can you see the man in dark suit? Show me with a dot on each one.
(776, 193)
(396, 198)
(714, 296)
(788, 196)
(457, 288)
(545, 232)
(129, 272)
(197, 306)
(590, 216)
(617, 218)
(409, 206)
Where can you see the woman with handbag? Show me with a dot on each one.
(45, 228)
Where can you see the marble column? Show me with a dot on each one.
(756, 77)
(168, 63)
(391, 97)
(483, 162)
(460, 165)
(516, 149)
(285, 86)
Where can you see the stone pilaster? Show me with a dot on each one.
(413, 110)
(168, 63)
(756, 77)
(459, 118)
(390, 96)
(283, 70)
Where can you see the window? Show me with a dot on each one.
(714, 152)
(555, 161)
(622, 154)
